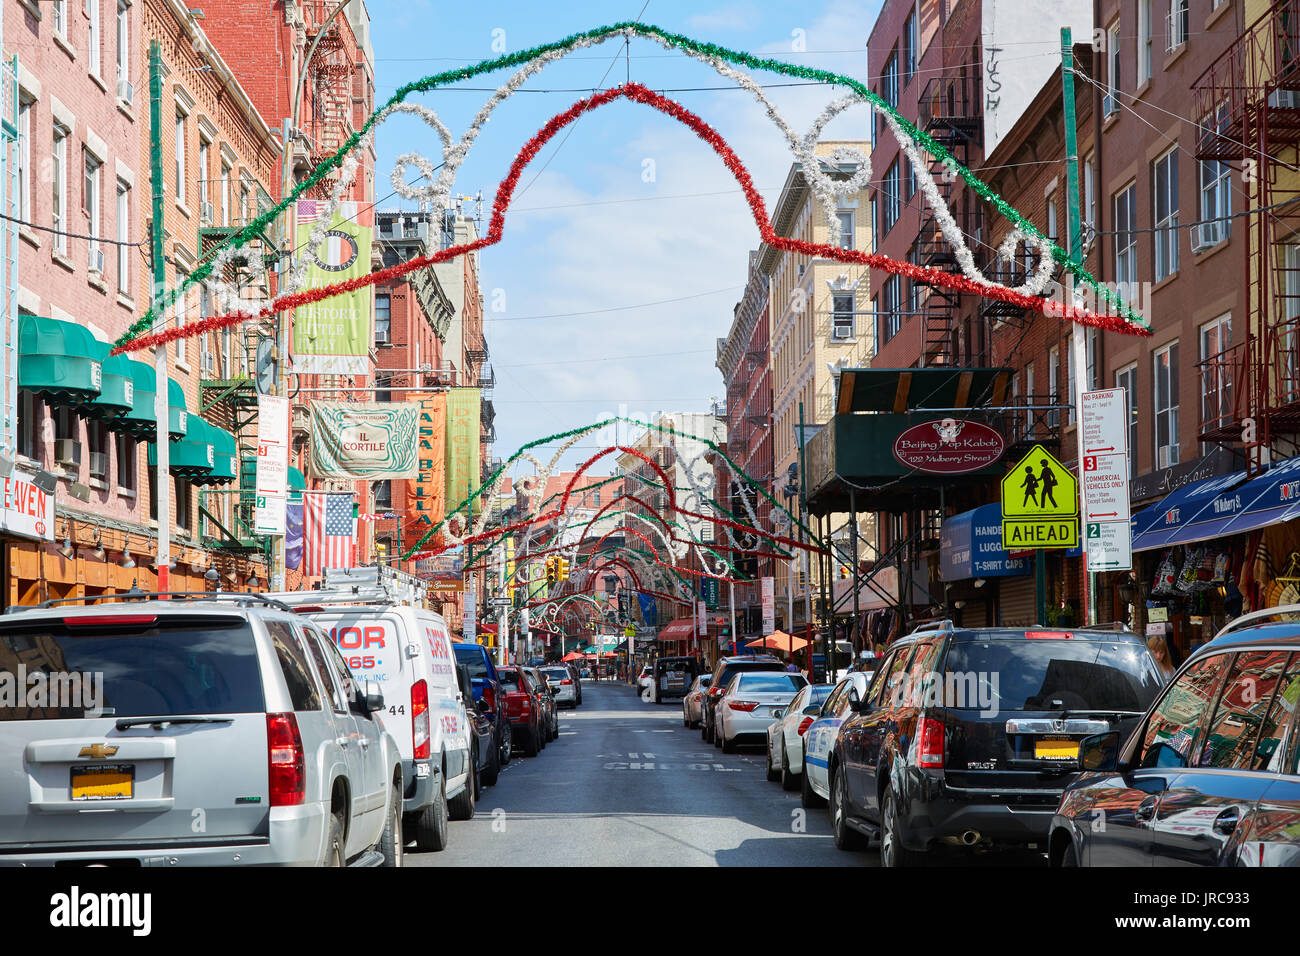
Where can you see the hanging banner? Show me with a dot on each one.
(648, 613)
(272, 491)
(462, 446)
(769, 604)
(444, 572)
(333, 336)
(425, 494)
(369, 440)
(293, 539)
(702, 619)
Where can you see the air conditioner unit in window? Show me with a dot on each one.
(382, 337)
(842, 332)
(98, 464)
(125, 92)
(1284, 99)
(205, 212)
(1207, 235)
(1166, 455)
(67, 451)
(1110, 104)
(96, 260)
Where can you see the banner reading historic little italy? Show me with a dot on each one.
(371, 440)
(333, 336)
(462, 446)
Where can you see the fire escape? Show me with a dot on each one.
(1249, 103)
(330, 83)
(950, 111)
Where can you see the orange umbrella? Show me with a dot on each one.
(780, 641)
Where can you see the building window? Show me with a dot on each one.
(90, 197)
(1178, 24)
(1053, 224)
(1071, 384)
(178, 168)
(383, 318)
(888, 307)
(1053, 375)
(182, 309)
(1091, 377)
(890, 199)
(1127, 379)
(123, 238)
(183, 493)
(31, 423)
(842, 315)
(59, 190)
(24, 161)
(97, 449)
(1031, 398)
(127, 452)
(888, 87)
(1216, 199)
(909, 47)
(123, 49)
(1216, 377)
(1126, 239)
(846, 229)
(1166, 394)
(1089, 199)
(92, 37)
(1164, 176)
(1110, 104)
(1143, 41)
(205, 150)
(225, 194)
(59, 17)
(910, 180)
(384, 495)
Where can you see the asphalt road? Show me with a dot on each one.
(626, 784)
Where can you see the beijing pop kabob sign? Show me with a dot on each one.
(948, 446)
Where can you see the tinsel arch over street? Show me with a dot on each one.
(1110, 312)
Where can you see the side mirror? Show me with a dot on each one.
(1099, 752)
(372, 697)
(812, 711)
(857, 705)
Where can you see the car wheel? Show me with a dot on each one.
(773, 774)
(788, 781)
(1070, 857)
(533, 744)
(686, 721)
(846, 838)
(717, 741)
(704, 729)
(336, 855)
(728, 746)
(808, 797)
(462, 807)
(431, 825)
(392, 840)
(507, 748)
(892, 851)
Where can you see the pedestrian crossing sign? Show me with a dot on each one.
(1040, 504)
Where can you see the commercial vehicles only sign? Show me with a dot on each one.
(1040, 504)
(1106, 511)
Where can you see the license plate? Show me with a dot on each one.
(1056, 749)
(114, 782)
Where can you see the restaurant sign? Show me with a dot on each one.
(949, 446)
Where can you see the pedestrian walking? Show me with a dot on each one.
(1049, 480)
(1030, 484)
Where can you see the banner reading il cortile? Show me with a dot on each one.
(333, 336)
(372, 440)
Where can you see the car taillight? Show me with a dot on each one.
(566, 681)
(420, 719)
(489, 699)
(285, 762)
(745, 705)
(930, 734)
(110, 620)
(804, 725)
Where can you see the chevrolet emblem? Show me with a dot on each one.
(97, 751)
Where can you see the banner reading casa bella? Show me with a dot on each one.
(462, 446)
(371, 440)
(431, 482)
(333, 336)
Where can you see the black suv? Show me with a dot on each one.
(726, 668)
(1209, 775)
(969, 736)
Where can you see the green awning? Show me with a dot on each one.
(140, 421)
(117, 391)
(225, 457)
(177, 415)
(193, 456)
(297, 481)
(59, 360)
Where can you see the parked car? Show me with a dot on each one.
(230, 709)
(823, 733)
(489, 692)
(408, 651)
(785, 734)
(522, 709)
(750, 703)
(970, 735)
(546, 700)
(673, 677)
(483, 746)
(563, 686)
(692, 702)
(1208, 776)
(723, 671)
(645, 681)
(576, 673)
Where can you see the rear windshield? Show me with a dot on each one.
(508, 677)
(147, 671)
(731, 670)
(1049, 675)
(471, 655)
(770, 683)
(558, 673)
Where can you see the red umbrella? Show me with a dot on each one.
(780, 641)
(572, 656)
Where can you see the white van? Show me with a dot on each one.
(407, 650)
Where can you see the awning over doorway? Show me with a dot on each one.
(971, 547)
(59, 360)
(682, 629)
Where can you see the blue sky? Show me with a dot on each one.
(594, 232)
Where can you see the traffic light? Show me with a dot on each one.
(550, 571)
(562, 569)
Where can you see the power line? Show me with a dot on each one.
(616, 308)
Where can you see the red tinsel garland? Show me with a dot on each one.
(640, 94)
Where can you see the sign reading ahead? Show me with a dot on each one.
(1040, 504)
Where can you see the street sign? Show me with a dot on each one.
(1040, 504)
(1109, 545)
(499, 602)
(1105, 455)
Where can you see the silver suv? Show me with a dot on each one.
(203, 730)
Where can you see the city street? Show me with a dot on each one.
(627, 784)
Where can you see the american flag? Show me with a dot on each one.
(330, 531)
